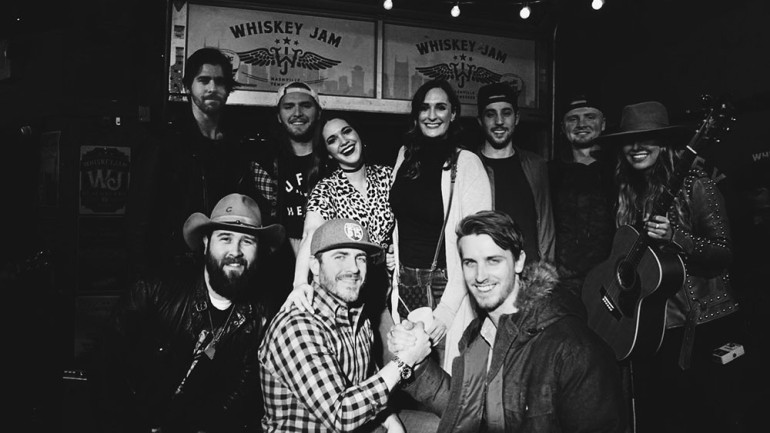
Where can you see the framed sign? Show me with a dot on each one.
(104, 180)
(337, 57)
(413, 55)
(353, 63)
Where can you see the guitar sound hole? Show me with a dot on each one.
(626, 275)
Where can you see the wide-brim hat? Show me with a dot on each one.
(342, 233)
(237, 213)
(646, 120)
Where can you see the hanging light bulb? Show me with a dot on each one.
(525, 12)
(455, 12)
(597, 4)
(388, 5)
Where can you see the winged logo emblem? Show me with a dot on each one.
(286, 58)
(460, 72)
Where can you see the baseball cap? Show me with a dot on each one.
(296, 87)
(581, 100)
(496, 92)
(342, 233)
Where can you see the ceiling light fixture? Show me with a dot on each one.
(597, 4)
(455, 12)
(525, 11)
(388, 5)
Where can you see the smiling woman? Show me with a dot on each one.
(355, 190)
(435, 184)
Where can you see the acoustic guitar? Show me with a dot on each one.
(625, 296)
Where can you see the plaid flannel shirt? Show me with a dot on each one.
(267, 186)
(316, 369)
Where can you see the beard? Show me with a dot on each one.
(229, 285)
(346, 287)
(302, 137)
(492, 140)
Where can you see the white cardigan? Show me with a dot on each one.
(472, 193)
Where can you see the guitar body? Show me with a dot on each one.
(625, 301)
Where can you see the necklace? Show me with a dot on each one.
(211, 349)
(354, 169)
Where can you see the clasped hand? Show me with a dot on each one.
(409, 341)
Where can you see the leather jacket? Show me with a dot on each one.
(148, 376)
(705, 245)
(557, 375)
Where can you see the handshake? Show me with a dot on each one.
(409, 342)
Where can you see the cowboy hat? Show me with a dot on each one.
(645, 120)
(235, 212)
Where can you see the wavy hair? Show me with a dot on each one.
(498, 225)
(415, 140)
(639, 191)
(208, 56)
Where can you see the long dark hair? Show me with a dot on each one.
(638, 192)
(415, 140)
(320, 144)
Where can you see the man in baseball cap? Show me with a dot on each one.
(518, 177)
(180, 353)
(315, 365)
(583, 193)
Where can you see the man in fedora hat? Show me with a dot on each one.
(181, 354)
(679, 387)
(316, 367)
(582, 189)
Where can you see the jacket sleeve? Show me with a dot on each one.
(472, 194)
(590, 396)
(706, 243)
(431, 386)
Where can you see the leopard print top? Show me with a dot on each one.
(334, 197)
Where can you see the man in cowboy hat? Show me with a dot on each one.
(316, 366)
(181, 354)
(582, 189)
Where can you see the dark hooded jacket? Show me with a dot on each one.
(557, 375)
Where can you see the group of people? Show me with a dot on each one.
(440, 294)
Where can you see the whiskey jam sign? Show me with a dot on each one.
(413, 55)
(104, 179)
(268, 49)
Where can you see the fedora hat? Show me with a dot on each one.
(645, 120)
(235, 212)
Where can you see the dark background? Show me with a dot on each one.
(76, 66)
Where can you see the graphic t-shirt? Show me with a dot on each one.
(292, 193)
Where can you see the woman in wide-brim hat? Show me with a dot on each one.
(696, 226)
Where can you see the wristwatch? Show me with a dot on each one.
(405, 370)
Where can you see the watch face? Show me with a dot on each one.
(406, 372)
